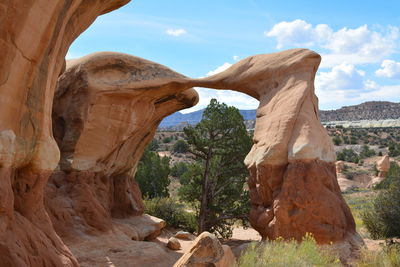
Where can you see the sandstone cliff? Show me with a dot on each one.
(34, 38)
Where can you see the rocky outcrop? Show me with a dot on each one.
(34, 38)
(383, 166)
(206, 250)
(105, 113)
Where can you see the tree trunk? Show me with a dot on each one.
(202, 224)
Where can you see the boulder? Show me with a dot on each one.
(383, 166)
(339, 166)
(173, 243)
(183, 235)
(206, 250)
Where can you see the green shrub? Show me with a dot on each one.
(152, 175)
(392, 176)
(179, 169)
(180, 146)
(382, 218)
(348, 155)
(171, 211)
(167, 139)
(366, 152)
(287, 254)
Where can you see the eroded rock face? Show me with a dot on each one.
(105, 113)
(34, 38)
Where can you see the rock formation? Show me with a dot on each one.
(34, 38)
(106, 110)
(293, 185)
(107, 107)
(383, 166)
(206, 250)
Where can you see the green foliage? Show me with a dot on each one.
(167, 139)
(366, 152)
(389, 256)
(171, 211)
(214, 184)
(178, 169)
(348, 155)
(281, 253)
(394, 149)
(382, 218)
(180, 146)
(337, 140)
(152, 175)
(153, 146)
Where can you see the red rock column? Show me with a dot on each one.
(34, 38)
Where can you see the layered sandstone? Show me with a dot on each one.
(34, 38)
(105, 113)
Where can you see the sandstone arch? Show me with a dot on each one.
(293, 181)
(291, 149)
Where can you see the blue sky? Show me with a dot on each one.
(359, 41)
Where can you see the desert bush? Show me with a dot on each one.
(366, 152)
(286, 254)
(389, 256)
(348, 155)
(382, 218)
(178, 169)
(167, 139)
(152, 175)
(392, 176)
(171, 211)
(153, 146)
(180, 146)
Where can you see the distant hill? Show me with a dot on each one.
(179, 118)
(373, 110)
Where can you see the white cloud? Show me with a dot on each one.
(357, 46)
(231, 98)
(235, 58)
(298, 33)
(221, 68)
(346, 85)
(341, 77)
(176, 32)
(389, 69)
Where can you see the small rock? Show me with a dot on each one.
(183, 235)
(173, 243)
